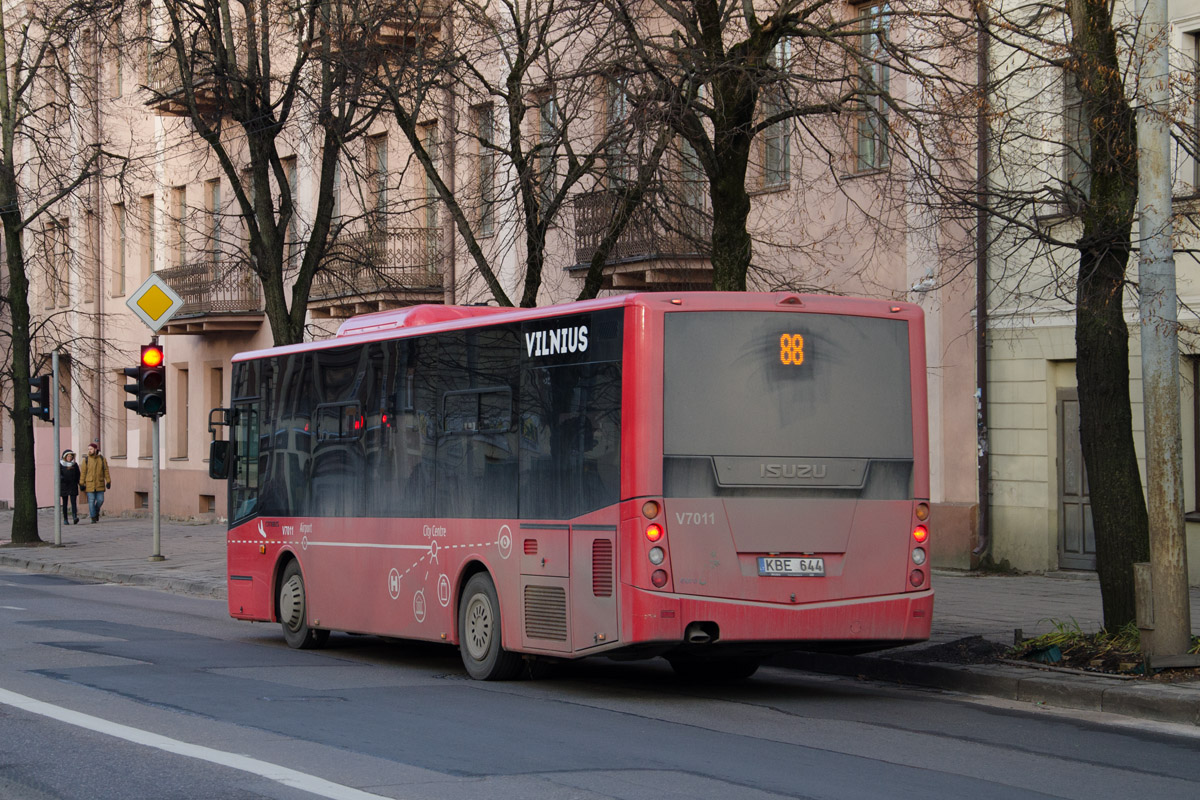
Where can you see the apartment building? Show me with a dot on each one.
(849, 223)
(1039, 490)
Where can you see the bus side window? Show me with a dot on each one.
(570, 439)
(245, 454)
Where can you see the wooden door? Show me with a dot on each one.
(1076, 535)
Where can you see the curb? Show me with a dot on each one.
(165, 583)
(1141, 699)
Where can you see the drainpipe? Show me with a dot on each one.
(451, 278)
(983, 547)
(97, 221)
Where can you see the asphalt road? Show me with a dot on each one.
(125, 693)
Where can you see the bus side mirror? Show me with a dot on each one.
(218, 460)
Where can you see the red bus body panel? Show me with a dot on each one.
(403, 577)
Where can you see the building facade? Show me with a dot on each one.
(849, 223)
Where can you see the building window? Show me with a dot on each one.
(1194, 41)
(118, 265)
(485, 136)
(1077, 145)
(874, 81)
(150, 245)
(548, 122)
(180, 414)
(433, 236)
(179, 223)
(116, 441)
(620, 165)
(145, 25)
(293, 229)
(118, 84)
(336, 214)
(212, 202)
(216, 393)
(378, 151)
(777, 137)
(431, 142)
(59, 275)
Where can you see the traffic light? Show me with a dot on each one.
(40, 397)
(134, 388)
(153, 381)
(150, 383)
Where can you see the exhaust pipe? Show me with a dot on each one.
(700, 633)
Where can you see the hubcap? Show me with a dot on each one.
(291, 603)
(479, 626)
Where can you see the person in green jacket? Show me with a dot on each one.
(94, 479)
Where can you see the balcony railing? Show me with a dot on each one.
(214, 287)
(343, 26)
(657, 230)
(166, 85)
(380, 260)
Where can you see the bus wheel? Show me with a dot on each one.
(293, 612)
(727, 668)
(479, 633)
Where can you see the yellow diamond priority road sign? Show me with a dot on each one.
(154, 302)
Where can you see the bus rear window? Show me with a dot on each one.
(750, 384)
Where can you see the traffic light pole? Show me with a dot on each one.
(154, 500)
(155, 503)
(57, 501)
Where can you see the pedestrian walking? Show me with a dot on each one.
(94, 479)
(68, 485)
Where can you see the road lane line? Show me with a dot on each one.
(264, 769)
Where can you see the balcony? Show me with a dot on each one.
(218, 297)
(167, 95)
(346, 29)
(378, 269)
(664, 247)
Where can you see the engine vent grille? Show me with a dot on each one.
(602, 568)
(546, 613)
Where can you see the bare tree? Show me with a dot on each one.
(251, 76)
(1061, 200)
(44, 160)
(534, 84)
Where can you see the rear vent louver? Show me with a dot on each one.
(602, 568)
(546, 613)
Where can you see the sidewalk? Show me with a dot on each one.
(117, 550)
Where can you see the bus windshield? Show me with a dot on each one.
(776, 399)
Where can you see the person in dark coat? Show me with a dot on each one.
(68, 485)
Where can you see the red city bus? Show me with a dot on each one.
(709, 477)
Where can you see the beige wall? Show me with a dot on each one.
(811, 235)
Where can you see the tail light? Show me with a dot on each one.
(916, 577)
(656, 536)
(920, 534)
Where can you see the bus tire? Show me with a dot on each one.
(479, 634)
(720, 668)
(293, 612)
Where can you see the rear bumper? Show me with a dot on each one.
(882, 621)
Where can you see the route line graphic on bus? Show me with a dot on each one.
(503, 544)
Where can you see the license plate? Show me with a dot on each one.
(802, 566)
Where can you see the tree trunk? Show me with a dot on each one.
(731, 246)
(1106, 432)
(24, 523)
(1101, 336)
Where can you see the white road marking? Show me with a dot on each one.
(13, 608)
(288, 777)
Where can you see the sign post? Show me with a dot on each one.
(155, 302)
